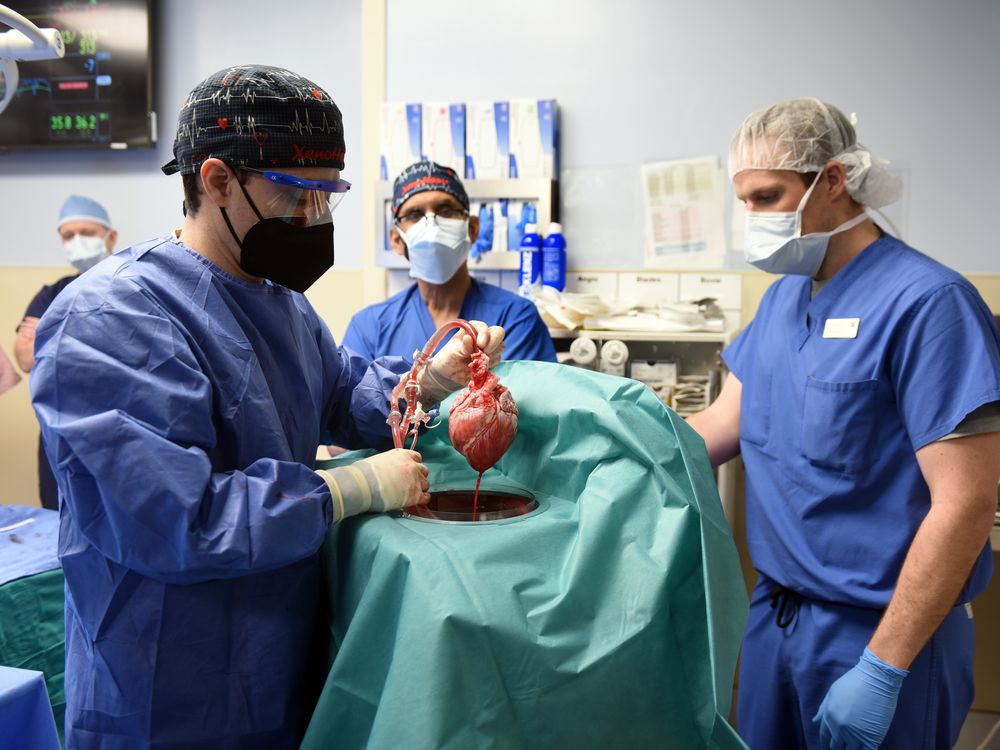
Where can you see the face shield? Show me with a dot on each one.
(298, 201)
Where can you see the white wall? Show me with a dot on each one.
(637, 81)
(644, 80)
(320, 39)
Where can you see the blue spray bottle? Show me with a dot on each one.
(531, 261)
(554, 258)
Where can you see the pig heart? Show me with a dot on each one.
(483, 419)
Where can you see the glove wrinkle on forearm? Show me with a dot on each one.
(354, 488)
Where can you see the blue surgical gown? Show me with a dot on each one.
(402, 324)
(181, 408)
(829, 426)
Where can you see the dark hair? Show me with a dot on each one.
(192, 189)
(807, 178)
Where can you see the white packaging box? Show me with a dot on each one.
(727, 288)
(443, 134)
(487, 143)
(648, 289)
(534, 138)
(657, 372)
(602, 283)
(399, 135)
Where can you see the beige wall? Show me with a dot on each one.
(18, 428)
(756, 283)
(336, 296)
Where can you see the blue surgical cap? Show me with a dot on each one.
(81, 208)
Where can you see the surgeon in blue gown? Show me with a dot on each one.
(434, 231)
(182, 387)
(863, 398)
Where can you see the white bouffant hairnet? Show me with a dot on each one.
(803, 135)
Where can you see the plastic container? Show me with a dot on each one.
(554, 258)
(531, 261)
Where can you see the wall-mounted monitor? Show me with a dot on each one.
(100, 95)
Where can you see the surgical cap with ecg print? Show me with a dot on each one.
(261, 117)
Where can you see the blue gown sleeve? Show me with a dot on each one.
(126, 417)
(945, 364)
(528, 338)
(359, 400)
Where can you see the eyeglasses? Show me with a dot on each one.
(300, 201)
(338, 187)
(407, 219)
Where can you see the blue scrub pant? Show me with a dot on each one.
(786, 672)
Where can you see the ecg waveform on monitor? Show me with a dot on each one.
(34, 87)
(99, 93)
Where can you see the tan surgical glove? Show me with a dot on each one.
(386, 481)
(449, 368)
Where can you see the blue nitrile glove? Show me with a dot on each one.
(858, 709)
(484, 243)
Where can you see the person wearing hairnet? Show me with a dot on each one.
(434, 232)
(182, 386)
(863, 398)
(87, 238)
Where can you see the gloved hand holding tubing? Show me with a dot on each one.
(386, 481)
(449, 368)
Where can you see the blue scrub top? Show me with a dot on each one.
(829, 426)
(402, 324)
(181, 408)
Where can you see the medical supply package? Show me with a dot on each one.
(442, 134)
(487, 144)
(400, 144)
(534, 138)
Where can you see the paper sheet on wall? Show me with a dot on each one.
(684, 213)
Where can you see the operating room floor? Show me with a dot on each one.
(981, 731)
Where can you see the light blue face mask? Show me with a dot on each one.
(774, 242)
(437, 247)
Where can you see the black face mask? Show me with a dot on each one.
(292, 256)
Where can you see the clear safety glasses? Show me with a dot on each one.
(299, 201)
(409, 219)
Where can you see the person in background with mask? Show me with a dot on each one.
(182, 386)
(863, 398)
(433, 230)
(87, 237)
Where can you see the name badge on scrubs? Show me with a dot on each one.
(841, 328)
